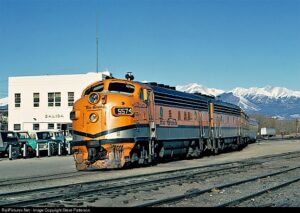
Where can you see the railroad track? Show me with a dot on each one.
(31, 197)
(27, 180)
(255, 194)
(63, 195)
(236, 201)
(24, 180)
(278, 139)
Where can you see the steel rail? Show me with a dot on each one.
(199, 192)
(98, 190)
(82, 193)
(23, 180)
(247, 197)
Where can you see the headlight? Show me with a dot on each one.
(93, 117)
(74, 115)
(93, 98)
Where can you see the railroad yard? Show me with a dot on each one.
(266, 173)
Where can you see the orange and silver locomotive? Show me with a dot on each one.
(118, 122)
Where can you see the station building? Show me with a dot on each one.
(45, 102)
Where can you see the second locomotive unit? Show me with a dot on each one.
(121, 122)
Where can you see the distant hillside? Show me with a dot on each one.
(4, 103)
(271, 101)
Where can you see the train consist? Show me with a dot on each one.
(121, 122)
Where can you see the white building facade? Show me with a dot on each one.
(45, 102)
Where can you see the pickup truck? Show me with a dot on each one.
(31, 143)
(9, 138)
(43, 139)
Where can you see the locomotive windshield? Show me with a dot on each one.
(97, 88)
(121, 87)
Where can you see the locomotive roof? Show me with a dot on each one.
(167, 95)
(197, 96)
(192, 96)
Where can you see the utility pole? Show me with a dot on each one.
(97, 38)
(297, 126)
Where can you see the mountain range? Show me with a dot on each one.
(271, 101)
(4, 103)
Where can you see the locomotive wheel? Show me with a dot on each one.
(216, 151)
(161, 152)
(81, 166)
(216, 146)
(79, 161)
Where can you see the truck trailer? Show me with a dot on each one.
(267, 132)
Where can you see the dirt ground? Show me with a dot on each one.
(60, 164)
(56, 165)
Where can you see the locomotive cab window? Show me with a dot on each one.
(144, 94)
(121, 88)
(141, 94)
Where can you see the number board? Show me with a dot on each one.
(123, 111)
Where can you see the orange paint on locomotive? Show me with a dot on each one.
(106, 120)
(113, 115)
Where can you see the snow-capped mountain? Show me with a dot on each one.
(193, 87)
(269, 91)
(271, 101)
(3, 101)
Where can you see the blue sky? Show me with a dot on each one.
(217, 43)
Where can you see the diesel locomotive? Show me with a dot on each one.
(120, 122)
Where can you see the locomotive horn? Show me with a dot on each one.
(129, 76)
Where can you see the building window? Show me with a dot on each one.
(54, 99)
(58, 126)
(36, 99)
(179, 115)
(51, 126)
(17, 127)
(36, 126)
(17, 99)
(70, 98)
(189, 116)
(51, 99)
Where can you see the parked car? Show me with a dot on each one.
(9, 138)
(44, 139)
(57, 135)
(63, 138)
(69, 139)
(31, 143)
